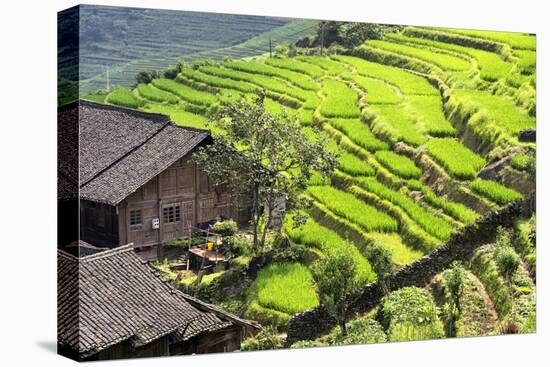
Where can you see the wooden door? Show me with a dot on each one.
(171, 221)
(188, 214)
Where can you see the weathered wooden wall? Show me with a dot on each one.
(99, 224)
(182, 187)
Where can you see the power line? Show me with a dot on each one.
(298, 32)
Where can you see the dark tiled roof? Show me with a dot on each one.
(113, 295)
(84, 248)
(122, 149)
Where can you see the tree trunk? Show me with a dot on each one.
(255, 219)
(451, 321)
(343, 327)
(266, 226)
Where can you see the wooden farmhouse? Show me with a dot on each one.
(136, 182)
(111, 305)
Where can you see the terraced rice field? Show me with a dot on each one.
(460, 162)
(397, 131)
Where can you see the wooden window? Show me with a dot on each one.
(135, 217)
(171, 214)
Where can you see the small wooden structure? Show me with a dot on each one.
(200, 259)
(112, 305)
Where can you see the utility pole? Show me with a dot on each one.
(108, 81)
(322, 36)
(270, 56)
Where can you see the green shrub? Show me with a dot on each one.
(407, 331)
(236, 245)
(225, 228)
(455, 157)
(495, 192)
(410, 314)
(507, 261)
(363, 330)
(398, 164)
(123, 97)
(266, 339)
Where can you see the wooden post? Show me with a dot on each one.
(190, 235)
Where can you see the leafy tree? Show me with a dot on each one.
(335, 278)
(380, 259)
(146, 76)
(507, 262)
(345, 34)
(171, 72)
(264, 157)
(454, 280)
(353, 34)
(281, 51)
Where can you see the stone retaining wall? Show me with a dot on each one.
(317, 321)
